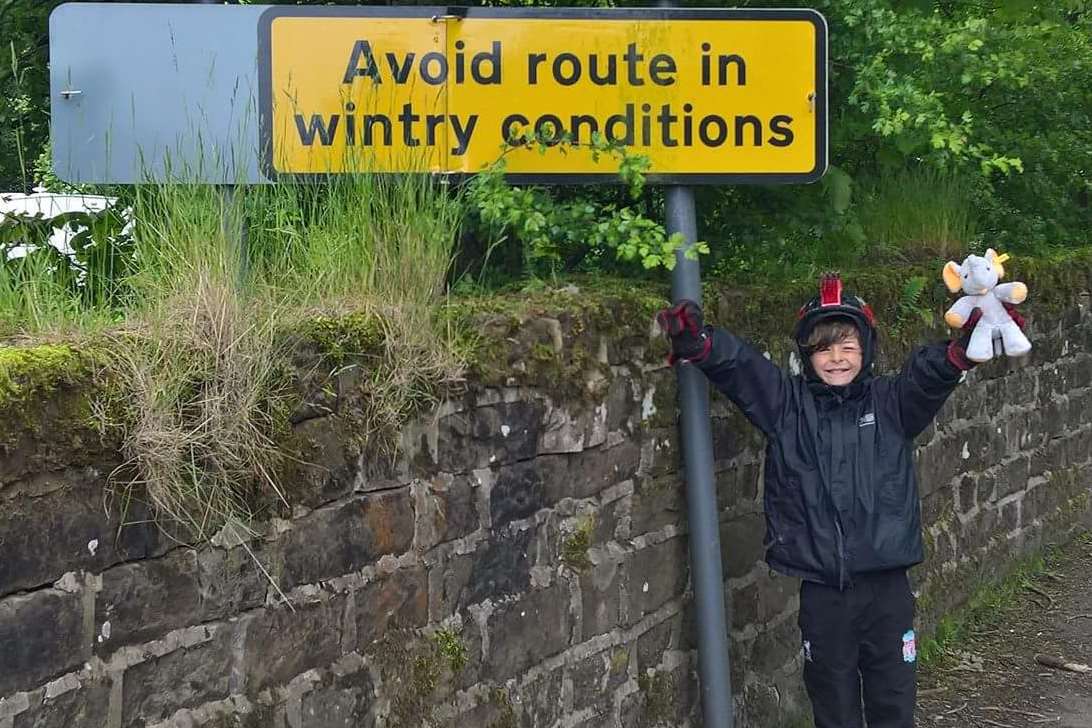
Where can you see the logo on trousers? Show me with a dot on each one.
(909, 647)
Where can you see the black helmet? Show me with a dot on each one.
(834, 302)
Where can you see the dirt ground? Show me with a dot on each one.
(993, 680)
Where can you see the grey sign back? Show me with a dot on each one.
(143, 92)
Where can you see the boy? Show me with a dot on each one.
(841, 501)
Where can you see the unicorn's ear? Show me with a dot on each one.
(953, 278)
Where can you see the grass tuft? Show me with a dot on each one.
(919, 213)
(221, 287)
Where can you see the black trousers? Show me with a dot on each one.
(860, 643)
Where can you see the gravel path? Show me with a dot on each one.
(993, 679)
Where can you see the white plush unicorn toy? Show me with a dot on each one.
(977, 278)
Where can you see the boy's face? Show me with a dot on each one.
(840, 363)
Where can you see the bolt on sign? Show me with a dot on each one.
(709, 96)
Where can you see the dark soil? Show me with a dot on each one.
(992, 679)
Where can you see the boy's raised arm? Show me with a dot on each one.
(930, 375)
(921, 389)
(741, 373)
(754, 383)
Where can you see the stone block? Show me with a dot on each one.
(738, 487)
(776, 593)
(1010, 516)
(572, 427)
(87, 705)
(541, 700)
(936, 506)
(976, 532)
(343, 538)
(1081, 371)
(501, 567)
(664, 699)
(393, 601)
(733, 435)
(155, 689)
(518, 492)
(652, 644)
(585, 474)
(144, 600)
(621, 404)
(456, 505)
(495, 710)
(502, 433)
(1013, 478)
(601, 597)
(775, 647)
(327, 465)
(589, 677)
(42, 637)
(1053, 380)
(449, 577)
(1078, 406)
(741, 544)
(230, 581)
(62, 526)
(940, 462)
(1079, 446)
(661, 454)
(742, 607)
(1055, 415)
(1020, 387)
(967, 491)
(657, 502)
(656, 574)
(524, 632)
(339, 701)
(280, 643)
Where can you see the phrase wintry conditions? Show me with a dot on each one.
(636, 124)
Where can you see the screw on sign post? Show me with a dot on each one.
(299, 93)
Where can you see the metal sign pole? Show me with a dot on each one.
(701, 498)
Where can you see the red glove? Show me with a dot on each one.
(685, 329)
(1014, 314)
(957, 348)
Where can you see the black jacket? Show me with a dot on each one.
(841, 496)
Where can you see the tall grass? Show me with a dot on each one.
(203, 338)
(918, 213)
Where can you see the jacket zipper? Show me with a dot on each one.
(841, 553)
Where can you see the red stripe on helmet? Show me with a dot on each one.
(830, 290)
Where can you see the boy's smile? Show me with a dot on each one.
(838, 364)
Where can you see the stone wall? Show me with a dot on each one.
(523, 563)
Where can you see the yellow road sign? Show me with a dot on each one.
(710, 96)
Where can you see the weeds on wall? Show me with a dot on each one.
(201, 328)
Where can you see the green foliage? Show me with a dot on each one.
(991, 100)
(42, 288)
(986, 607)
(995, 98)
(451, 647)
(918, 213)
(910, 306)
(575, 231)
(24, 89)
(574, 549)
